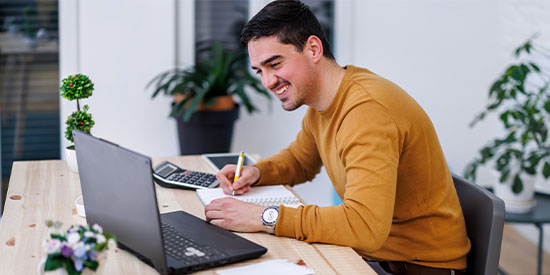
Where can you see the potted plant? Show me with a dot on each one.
(76, 87)
(521, 97)
(30, 25)
(203, 97)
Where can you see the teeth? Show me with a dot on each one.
(282, 90)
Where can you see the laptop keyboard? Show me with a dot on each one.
(185, 250)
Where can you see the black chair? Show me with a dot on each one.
(484, 215)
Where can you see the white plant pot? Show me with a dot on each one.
(70, 157)
(542, 184)
(517, 203)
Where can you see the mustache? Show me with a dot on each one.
(279, 83)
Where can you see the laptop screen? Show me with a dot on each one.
(119, 194)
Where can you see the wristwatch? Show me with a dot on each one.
(269, 218)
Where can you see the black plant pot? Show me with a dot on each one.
(207, 131)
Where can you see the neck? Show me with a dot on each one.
(330, 75)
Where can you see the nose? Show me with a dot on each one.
(269, 80)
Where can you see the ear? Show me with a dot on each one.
(314, 48)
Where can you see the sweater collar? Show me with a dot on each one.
(339, 94)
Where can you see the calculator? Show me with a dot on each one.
(169, 175)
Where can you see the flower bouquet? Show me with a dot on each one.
(77, 248)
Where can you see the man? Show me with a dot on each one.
(400, 210)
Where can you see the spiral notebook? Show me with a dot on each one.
(261, 195)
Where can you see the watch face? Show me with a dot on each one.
(270, 215)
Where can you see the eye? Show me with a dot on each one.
(258, 71)
(273, 65)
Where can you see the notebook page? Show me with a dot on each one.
(261, 195)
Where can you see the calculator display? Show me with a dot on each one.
(166, 171)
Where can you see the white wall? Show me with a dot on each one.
(121, 45)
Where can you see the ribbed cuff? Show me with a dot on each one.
(286, 221)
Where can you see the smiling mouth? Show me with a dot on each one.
(281, 90)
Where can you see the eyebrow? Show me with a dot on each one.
(270, 59)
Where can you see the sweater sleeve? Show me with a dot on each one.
(298, 163)
(368, 147)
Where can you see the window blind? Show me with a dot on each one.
(29, 76)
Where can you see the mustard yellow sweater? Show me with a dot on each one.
(383, 156)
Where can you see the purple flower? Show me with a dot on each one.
(93, 255)
(78, 265)
(66, 251)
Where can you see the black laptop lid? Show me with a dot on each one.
(119, 195)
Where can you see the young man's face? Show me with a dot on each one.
(284, 70)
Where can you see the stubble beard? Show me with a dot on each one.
(300, 98)
(298, 102)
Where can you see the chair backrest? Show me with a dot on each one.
(484, 216)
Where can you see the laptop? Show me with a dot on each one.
(119, 194)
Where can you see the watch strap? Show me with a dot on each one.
(270, 227)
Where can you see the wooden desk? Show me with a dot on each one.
(41, 190)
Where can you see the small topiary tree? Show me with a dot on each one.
(77, 87)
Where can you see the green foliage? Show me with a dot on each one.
(222, 72)
(521, 98)
(53, 262)
(77, 86)
(79, 120)
(30, 22)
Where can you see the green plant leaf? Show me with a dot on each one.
(502, 161)
(70, 267)
(53, 262)
(504, 175)
(91, 264)
(215, 74)
(546, 170)
(534, 66)
(478, 118)
(244, 99)
(471, 170)
(57, 236)
(523, 106)
(517, 185)
(78, 86)
(504, 118)
(530, 170)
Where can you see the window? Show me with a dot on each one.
(29, 79)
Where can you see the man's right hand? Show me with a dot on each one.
(249, 175)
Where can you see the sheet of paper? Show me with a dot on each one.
(261, 195)
(270, 267)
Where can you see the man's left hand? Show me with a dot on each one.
(235, 215)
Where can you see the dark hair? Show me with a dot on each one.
(291, 20)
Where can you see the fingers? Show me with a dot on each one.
(242, 190)
(249, 175)
(225, 177)
(232, 214)
(213, 214)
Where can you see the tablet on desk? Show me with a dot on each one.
(218, 161)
